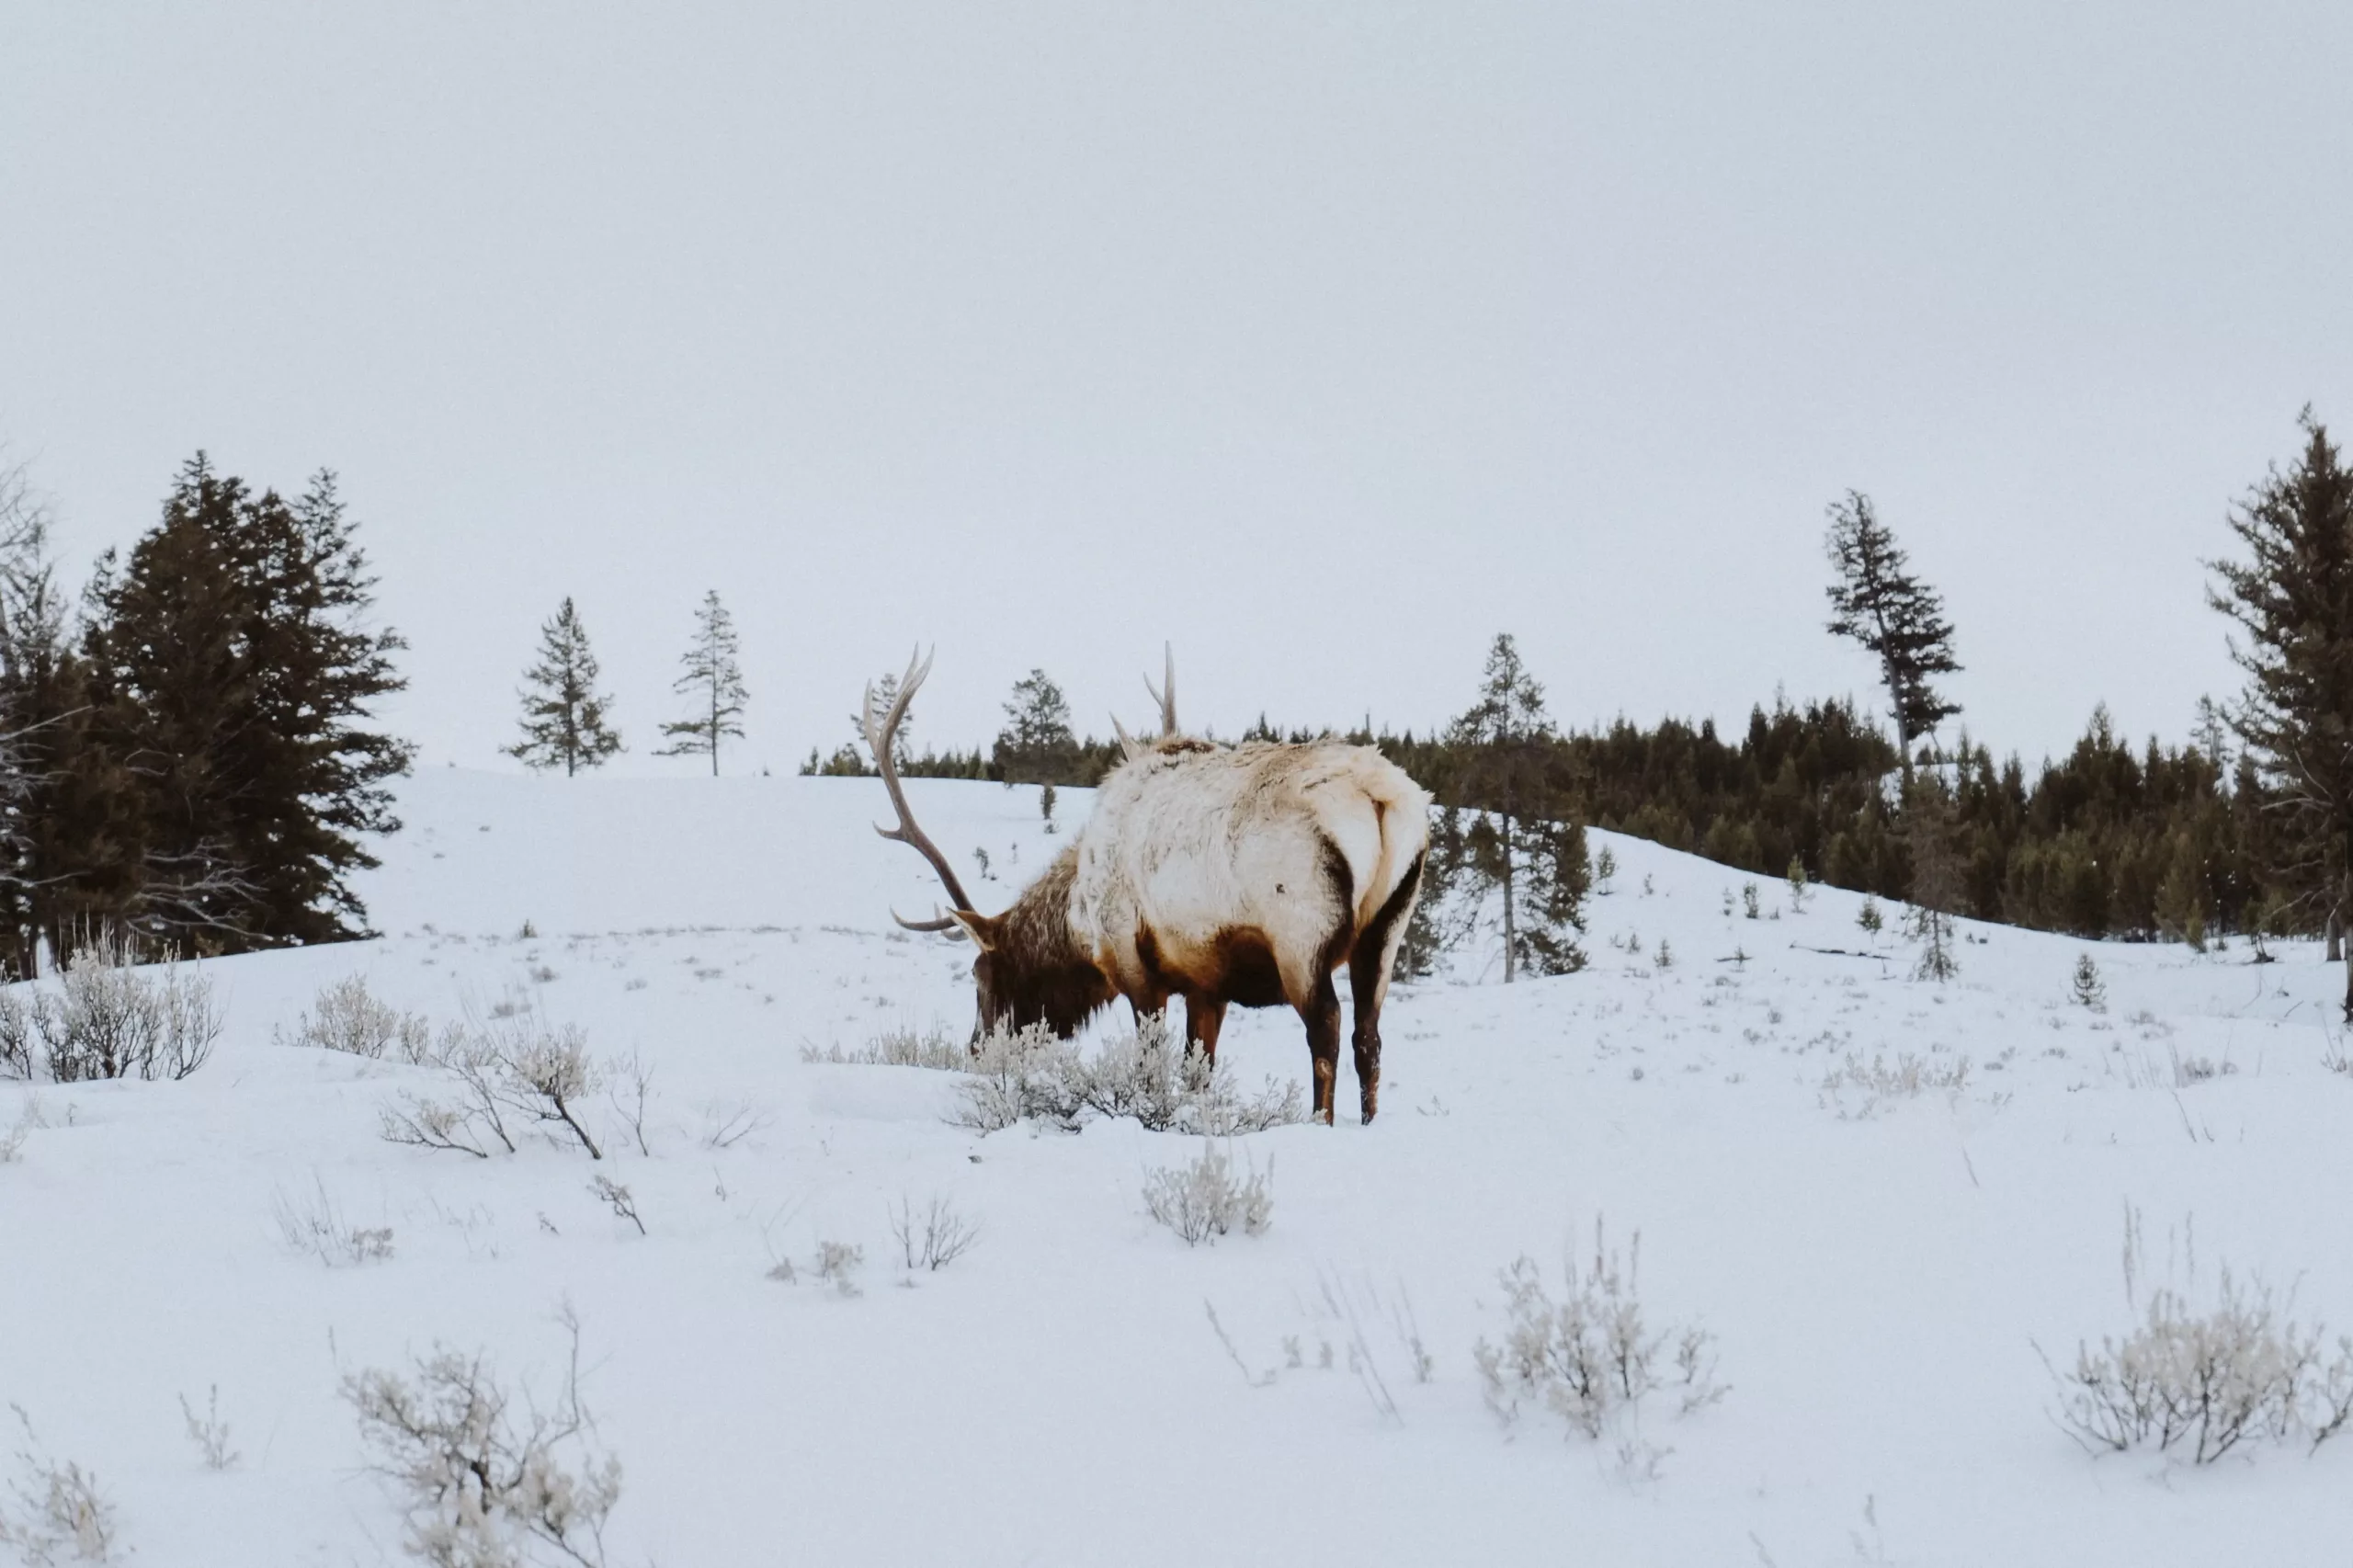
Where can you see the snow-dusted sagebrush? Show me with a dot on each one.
(1209, 1198)
(346, 1016)
(483, 1479)
(2202, 1379)
(1150, 1074)
(506, 1075)
(106, 1016)
(54, 1512)
(1592, 1357)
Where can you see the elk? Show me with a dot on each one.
(1246, 875)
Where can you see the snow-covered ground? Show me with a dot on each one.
(1877, 1270)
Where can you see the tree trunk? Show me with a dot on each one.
(1508, 930)
(2335, 933)
(2345, 897)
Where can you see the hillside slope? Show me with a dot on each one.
(1877, 1265)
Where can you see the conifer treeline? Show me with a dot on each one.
(190, 759)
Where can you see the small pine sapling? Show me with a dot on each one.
(1800, 889)
(1748, 900)
(2089, 989)
(1605, 866)
(1869, 919)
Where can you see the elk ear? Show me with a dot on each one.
(981, 928)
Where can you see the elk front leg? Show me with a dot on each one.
(1204, 1016)
(1321, 1013)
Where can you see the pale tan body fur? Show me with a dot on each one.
(1193, 850)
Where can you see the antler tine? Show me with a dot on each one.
(881, 739)
(1128, 749)
(1165, 693)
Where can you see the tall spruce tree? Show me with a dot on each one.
(1526, 843)
(563, 713)
(1036, 746)
(714, 678)
(2291, 601)
(1876, 600)
(232, 674)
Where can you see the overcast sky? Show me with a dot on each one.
(1323, 341)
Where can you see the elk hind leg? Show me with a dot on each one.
(1368, 965)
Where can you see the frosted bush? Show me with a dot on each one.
(1150, 1074)
(346, 1016)
(16, 1034)
(1592, 1358)
(1209, 1198)
(2204, 1379)
(481, 1486)
(515, 1071)
(108, 1017)
(1881, 1082)
(1030, 1074)
(933, 1048)
(55, 1512)
(317, 1225)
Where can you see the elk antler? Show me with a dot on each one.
(1165, 693)
(880, 740)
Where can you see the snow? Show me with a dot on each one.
(1878, 1275)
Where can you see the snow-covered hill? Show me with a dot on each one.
(1878, 1266)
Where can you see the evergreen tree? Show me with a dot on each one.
(886, 692)
(715, 680)
(1036, 746)
(2291, 601)
(1522, 844)
(563, 713)
(1937, 888)
(233, 675)
(1876, 600)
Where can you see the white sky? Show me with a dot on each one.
(1325, 341)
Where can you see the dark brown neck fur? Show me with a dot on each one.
(1037, 971)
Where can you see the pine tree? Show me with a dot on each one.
(232, 673)
(1524, 843)
(1938, 888)
(1036, 746)
(563, 713)
(2292, 601)
(1877, 601)
(885, 692)
(715, 679)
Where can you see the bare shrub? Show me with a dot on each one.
(58, 1511)
(108, 1016)
(1592, 1358)
(933, 1239)
(1880, 1083)
(209, 1432)
(316, 1226)
(1208, 1198)
(15, 1034)
(2206, 1379)
(482, 1485)
(618, 1198)
(346, 1016)
(515, 1070)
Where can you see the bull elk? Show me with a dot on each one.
(1245, 875)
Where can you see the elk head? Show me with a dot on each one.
(1029, 969)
